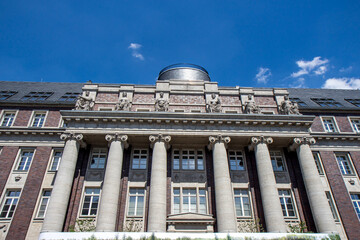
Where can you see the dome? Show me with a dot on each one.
(184, 71)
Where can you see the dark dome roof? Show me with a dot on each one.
(184, 71)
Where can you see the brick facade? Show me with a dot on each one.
(7, 158)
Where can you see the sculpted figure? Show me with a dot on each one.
(214, 104)
(289, 108)
(123, 104)
(161, 104)
(251, 107)
(85, 102)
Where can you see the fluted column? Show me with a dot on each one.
(106, 220)
(269, 193)
(318, 202)
(224, 197)
(55, 214)
(157, 201)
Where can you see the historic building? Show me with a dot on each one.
(183, 155)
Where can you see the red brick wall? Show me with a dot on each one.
(262, 100)
(22, 118)
(29, 195)
(187, 99)
(143, 98)
(343, 124)
(7, 157)
(317, 125)
(230, 100)
(355, 157)
(107, 97)
(52, 119)
(346, 210)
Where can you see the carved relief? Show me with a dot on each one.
(85, 102)
(213, 105)
(289, 108)
(251, 107)
(160, 138)
(124, 104)
(218, 139)
(161, 103)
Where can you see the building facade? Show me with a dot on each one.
(182, 155)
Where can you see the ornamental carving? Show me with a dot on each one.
(289, 108)
(161, 104)
(213, 105)
(85, 102)
(124, 104)
(117, 137)
(218, 139)
(251, 107)
(71, 136)
(261, 139)
(160, 138)
(301, 141)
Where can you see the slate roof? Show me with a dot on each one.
(24, 88)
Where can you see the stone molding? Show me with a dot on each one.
(160, 138)
(301, 141)
(73, 136)
(117, 137)
(218, 139)
(261, 139)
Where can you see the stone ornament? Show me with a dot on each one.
(261, 139)
(213, 105)
(161, 104)
(85, 102)
(117, 137)
(124, 104)
(160, 138)
(218, 139)
(251, 107)
(71, 136)
(300, 141)
(289, 108)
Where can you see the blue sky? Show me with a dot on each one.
(241, 43)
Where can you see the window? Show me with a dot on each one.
(327, 102)
(136, 201)
(55, 161)
(319, 167)
(25, 160)
(298, 101)
(355, 198)
(242, 203)
(286, 203)
(236, 160)
(344, 164)
(356, 102)
(356, 125)
(329, 125)
(189, 200)
(9, 204)
(37, 96)
(139, 159)
(7, 119)
(188, 159)
(98, 158)
(38, 119)
(45, 198)
(332, 206)
(91, 202)
(69, 97)
(277, 161)
(6, 94)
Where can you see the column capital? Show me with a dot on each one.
(117, 137)
(218, 139)
(300, 141)
(160, 138)
(261, 139)
(73, 136)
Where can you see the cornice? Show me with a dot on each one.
(31, 131)
(336, 137)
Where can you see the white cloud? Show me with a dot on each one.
(298, 83)
(342, 83)
(316, 66)
(263, 75)
(135, 51)
(348, 69)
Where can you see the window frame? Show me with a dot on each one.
(27, 165)
(241, 197)
(37, 96)
(4, 96)
(136, 207)
(90, 208)
(236, 160)
(4, 200)
(298, 101)
(332, 206)
(91, 158)
(333, 121)
(138, 161)
(52, 158)
(4, 112)
(291, 197)
(356, 204)
(353, 101)
(283, 160)
(42, 198)
(198, 198)
(327, 102)
(197, 159)
(318, 163)
(69, 97)
(33, 118)
(342, 167)
(355, 126)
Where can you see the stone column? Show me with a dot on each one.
(224, 197)
(106, 220)
(318, 202)
(56, 211)
(157, 201)
(269, 193)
